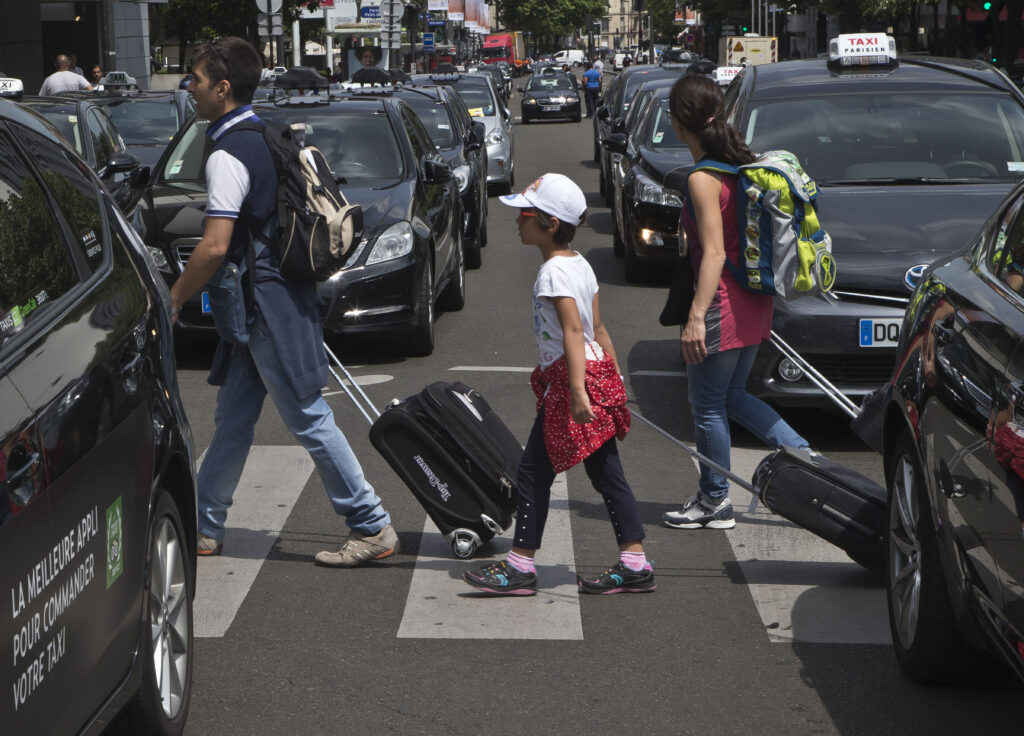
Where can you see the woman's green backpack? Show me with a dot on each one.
(783, 249)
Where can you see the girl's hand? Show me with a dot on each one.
(579, 407)
(691, 342)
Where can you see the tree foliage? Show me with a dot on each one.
(548, 17)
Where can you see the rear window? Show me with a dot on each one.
(65, 120)
(477, 98)
(549, 84)
(435, 118)
(907, 136)
(144, 121)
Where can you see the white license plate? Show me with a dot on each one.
(206, 303)
(879, 333)
(550, 108)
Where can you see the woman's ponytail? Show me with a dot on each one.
(698, 105)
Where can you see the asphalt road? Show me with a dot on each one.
(762, 629)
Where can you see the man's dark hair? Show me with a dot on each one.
(233, 59)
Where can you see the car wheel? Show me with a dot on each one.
(925, 634)
(453, 298)
(597, 153)
(618, 247)
(636, 270)
(482, 238)
(161, 704)
(421, 342)
(526, 120)
(602, 185)
(576, 118)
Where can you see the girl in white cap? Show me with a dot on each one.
(581, 401)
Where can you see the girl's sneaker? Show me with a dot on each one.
(619, 579)
(501, 578)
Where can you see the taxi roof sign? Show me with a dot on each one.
(862, 49)
(725, 74)
(11, 87)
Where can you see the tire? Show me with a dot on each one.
(160, 706)
(597, 152)
(526, 120)
(483, 226)
(636, 270)
(453, 298)
(421, 341)
(472, 256)
(618, 247)
(602, 185)
(925, 635)
(576, 118)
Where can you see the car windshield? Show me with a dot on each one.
(144, 121)
(549, 84)
(357, 145)
(478, 99)
(660, 133)
(435, 118)
(186, 164)
(905, 137)
(67, 123)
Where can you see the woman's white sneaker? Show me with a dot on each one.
(701, 513)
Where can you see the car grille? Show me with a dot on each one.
(184, 251)
(854, 370)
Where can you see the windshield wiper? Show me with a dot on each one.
(897, 180)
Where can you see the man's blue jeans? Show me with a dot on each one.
(718, 393)
(255, 371)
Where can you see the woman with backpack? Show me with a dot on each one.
(726, 323)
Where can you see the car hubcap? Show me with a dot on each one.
(905, 553)
(169, 618)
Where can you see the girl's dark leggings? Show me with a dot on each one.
(604, 469)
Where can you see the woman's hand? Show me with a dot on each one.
(691, 342)
(579, 407)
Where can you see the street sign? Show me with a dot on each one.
(270, 6)
(392, 10)
(270, 24)
(391, 39)
(428, 42)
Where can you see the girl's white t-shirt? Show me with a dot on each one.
(568, 276)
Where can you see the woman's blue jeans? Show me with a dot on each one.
(717, 392)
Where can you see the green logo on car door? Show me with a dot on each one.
(115, 542)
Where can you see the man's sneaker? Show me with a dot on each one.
(699, 513)
(619, 579)
(501, 578)
(359, 549)
(208, 546)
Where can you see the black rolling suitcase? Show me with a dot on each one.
(828, 499)
(453, 452)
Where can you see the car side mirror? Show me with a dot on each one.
(142, 176)
(616, 142)
(436, 172)
(479, 133)
(602, 113)
(120, 163)
(619, 125)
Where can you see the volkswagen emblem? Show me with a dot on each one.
(913, 275)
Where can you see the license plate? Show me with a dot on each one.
(880, 333)
(550, 108)
(206, 303)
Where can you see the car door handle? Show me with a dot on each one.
(130, 373)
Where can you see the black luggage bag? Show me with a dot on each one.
(457, 457)
(828, 499)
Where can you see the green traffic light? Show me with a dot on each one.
(987, 6)
(745, 29)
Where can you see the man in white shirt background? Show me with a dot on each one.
(63, 80)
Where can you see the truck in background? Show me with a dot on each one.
(506, 47)
(749, 49)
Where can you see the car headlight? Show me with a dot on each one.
(648, 190)
(462, 174)
(571, 98)
(493, 138)
(159, 259)
(529, 101)
(394, 242)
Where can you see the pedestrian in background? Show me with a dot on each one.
(581, 401)
(592, 88)
(63, 79)
(726, 323)
(74, 65)
(282, 353)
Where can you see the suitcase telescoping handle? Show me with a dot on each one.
(362, 402)
(838, 397)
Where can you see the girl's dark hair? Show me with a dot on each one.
(233, 59)
(694, 101)
(565, 232)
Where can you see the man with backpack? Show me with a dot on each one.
(263, 321)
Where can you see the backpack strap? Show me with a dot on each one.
(708, 164)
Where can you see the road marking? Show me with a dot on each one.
(271, 482)
(369, 380)
(492, 368)
(441, 606)
(805, 589)
(660, 374)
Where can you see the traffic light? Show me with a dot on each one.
(746, 28)
(987, 6)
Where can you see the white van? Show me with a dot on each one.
(573, 57)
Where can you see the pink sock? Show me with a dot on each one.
(521, 563)
(635, 561)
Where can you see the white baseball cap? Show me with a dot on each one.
(555, 194)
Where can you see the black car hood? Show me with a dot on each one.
(657, 163)
(879, 232)
(384, 202)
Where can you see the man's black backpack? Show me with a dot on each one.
(317, 229)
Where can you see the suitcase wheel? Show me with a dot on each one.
(464, 542)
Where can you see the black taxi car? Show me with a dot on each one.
(952, 424)
(97, 487)
(460, 141)
(146, 120)
(410, 257)
(551, 95)
(93, 136)
(911, 155)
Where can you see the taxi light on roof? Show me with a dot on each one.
(725, 74)
(449, 77)
(862, 49)
(11, 87)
